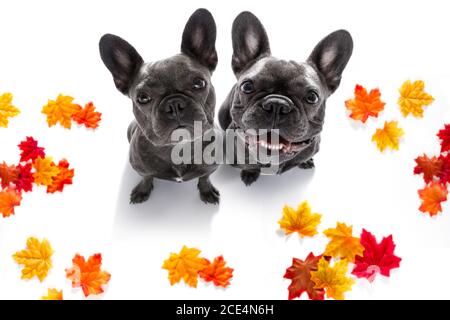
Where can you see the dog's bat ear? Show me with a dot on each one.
(331, 55)
(199, 38)
(121, 59)
(250, 41)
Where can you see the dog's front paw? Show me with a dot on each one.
(141, 192)
(248, 176)
(309, 164)
(211, 195)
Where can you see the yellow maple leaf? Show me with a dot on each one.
(342, 243)
(389, 136)
(60, 110)
(7, 110)
(36, 259)
(45, 171)
(185, 265)
(301, 220)
(413, 98)
(332, 278)
(53, 294)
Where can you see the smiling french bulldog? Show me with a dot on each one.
(167, 95)
(277, 94)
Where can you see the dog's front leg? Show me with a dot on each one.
(208, 193)
(142, 191)
(250, 176)
(308, 164)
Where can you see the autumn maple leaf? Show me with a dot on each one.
(36, 259)
(185, 265)
(8, 174)
(413, 98)
(389, 136)
(432, 196)
(30, 150)
(25, 179)
(444, 174)
(342, 243)
(444, 136)
(300, 274)
(88, 116)
(7, 110)
(9, 199)
(45, 171)
(60, 110)
(217, 272)
(332, 278)
(63, 178)
(301, 220)
(365, 105)
(377, 257)
(429, 167)
(53, 294)
(88, 274)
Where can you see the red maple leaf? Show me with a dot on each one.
(444, 135)
(8, 174)
(377, 257)
(64, 177)
(444, 174)
(30, 150)
(25, 180)
(430, 167)
(300, 274)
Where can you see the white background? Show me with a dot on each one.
(51, 47)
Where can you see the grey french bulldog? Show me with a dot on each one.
(167, 95)
(290, 96)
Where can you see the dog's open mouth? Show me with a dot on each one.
(273, 142)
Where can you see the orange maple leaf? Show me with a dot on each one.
(88, 116)
(365, 105)
(432, 196)
(185, 265)
(8, 174)
(64, 177)
(45, 171)
(217, 272)
(60, 110)
(88, 275)
(9, 199)
(342, 243)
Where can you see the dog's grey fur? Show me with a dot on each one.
(165, 98)
(280, 89)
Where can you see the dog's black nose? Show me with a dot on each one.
(174, 107)
(276, 105)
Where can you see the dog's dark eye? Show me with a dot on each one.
(312, 97)
(142, 98)
(199, 83)
(247, 87)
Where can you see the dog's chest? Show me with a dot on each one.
(148, 160)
